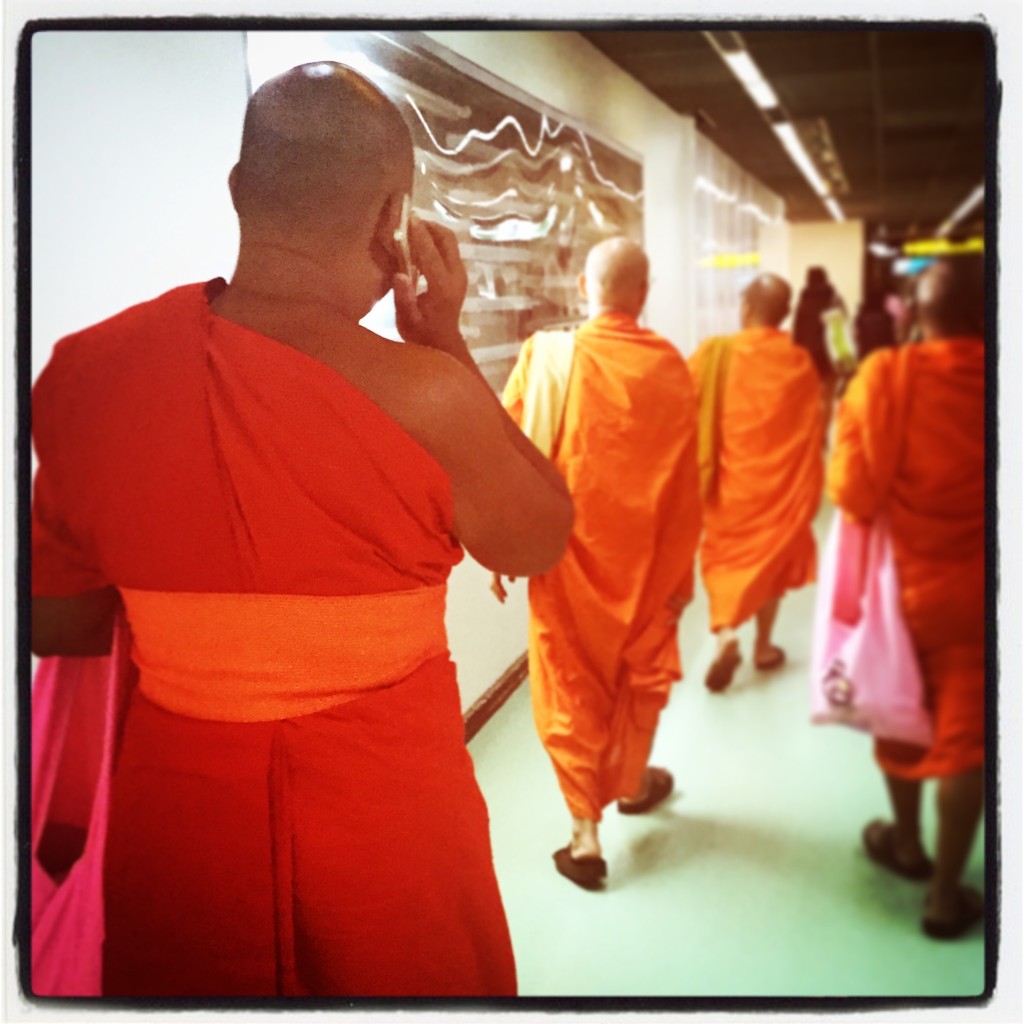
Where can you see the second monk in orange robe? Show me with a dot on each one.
(603, 623)
(761, 399)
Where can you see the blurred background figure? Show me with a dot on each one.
(936, 511)
(604, 646)
(817, 297)
(810, 331)
(874, 327)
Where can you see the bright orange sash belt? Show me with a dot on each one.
(266, 657)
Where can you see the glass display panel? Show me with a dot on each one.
(526, 189)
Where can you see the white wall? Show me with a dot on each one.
(838, 246)
(133, 136)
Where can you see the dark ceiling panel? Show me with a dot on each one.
(904, 108)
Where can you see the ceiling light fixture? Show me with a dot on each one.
(751, 78)
(962, 210)
(834, 208)
(742, 65)
(795, 148)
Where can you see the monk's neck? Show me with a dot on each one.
(596, 312)
(287, 295)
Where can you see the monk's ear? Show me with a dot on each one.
(388, 216)
(582, 283)
(233, 186)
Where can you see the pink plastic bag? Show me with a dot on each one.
(864, 670)
(78, 707)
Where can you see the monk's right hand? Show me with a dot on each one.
(431, 319)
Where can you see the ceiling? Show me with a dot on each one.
(905, 110)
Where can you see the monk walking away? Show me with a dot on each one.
(761, 424)
(277, 497)
(614, 405)
(935, 507)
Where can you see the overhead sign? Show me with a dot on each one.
(943, 247)
(731, 260)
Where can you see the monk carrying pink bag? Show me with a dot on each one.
(864, 670)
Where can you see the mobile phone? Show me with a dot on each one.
(402, 240)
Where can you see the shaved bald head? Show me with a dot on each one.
(766, 301)
(320, 143)
(950, 298)
(616, 277)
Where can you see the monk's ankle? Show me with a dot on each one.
(584, 839)
(724, 637)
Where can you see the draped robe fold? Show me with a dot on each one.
(757, 541)
(936, 511)
(603, 646)
(329, 839)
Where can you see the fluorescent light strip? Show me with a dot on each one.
(962, 210)
(833, 208)
(795, 148)
(744, 68)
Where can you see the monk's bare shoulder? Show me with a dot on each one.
(430, 393)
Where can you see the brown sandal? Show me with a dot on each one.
(723, 667)
(660, 785)
(971, 909)
(587, 872)
(775, 658)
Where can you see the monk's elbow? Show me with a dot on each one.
(557, 535)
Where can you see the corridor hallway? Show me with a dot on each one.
(750, 881)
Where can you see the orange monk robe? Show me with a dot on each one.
(293, 809)
(603, 641)
(757, 526)
(936, 510)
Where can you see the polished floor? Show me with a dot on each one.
(749, 882)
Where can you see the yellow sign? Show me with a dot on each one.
(731, 260)
(943, 247)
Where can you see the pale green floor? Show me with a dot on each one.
(750, 882)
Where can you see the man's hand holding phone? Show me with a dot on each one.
(431, 318)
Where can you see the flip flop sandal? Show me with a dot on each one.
(971, 910)
(879, 843)
(660, 785)
(776, 658)
(587, 872)
(722, 668)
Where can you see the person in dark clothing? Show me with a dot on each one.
(817, 296)
(874, 327)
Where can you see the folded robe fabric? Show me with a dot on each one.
(936, 510)
(337, 850)
(603, 648)
(757, 540)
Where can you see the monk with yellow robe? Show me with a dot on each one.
(761, 466)
(277, 496)
(603, 647)
(935, 507)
